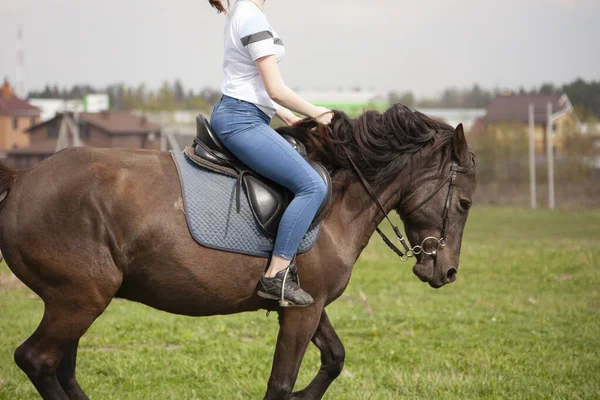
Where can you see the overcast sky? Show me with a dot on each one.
(419, 45)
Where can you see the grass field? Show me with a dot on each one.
(521, 322)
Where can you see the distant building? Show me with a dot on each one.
(178, 127)
(508, 115)
(349, 101)
(455, 116)
(51, 107)
(106, 129)
(92, 103)
(16, 116)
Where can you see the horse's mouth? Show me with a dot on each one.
(430, 273)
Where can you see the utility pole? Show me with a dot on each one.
(532, 156)
(20, 70)
(550, 156)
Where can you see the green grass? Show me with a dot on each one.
(521, 322)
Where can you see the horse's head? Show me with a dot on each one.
(435, 212)
(433, 203)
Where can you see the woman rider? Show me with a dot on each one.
(253, 92)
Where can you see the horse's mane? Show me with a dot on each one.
(381, 144)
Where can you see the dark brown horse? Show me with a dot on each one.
(88, 225)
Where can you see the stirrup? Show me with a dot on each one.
(283, 302)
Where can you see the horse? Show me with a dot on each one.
(88, 225)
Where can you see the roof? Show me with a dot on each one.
(39, 147)
(119, 122)
(515, 108)
(12, 105)
(113, 122)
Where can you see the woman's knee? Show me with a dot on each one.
(318, 189)
(322, 189)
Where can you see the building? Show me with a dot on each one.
(16, 116)
(353, 102)
(92, 103)
(507, 116)
(178, 127)
(50, 107)
(455, 116)
(105, 129)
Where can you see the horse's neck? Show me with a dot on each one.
(356, 216)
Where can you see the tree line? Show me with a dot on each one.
(169, 97)
(585, 96)
(173, 96)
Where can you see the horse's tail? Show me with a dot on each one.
(7, 178)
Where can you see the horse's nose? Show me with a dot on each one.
(450, 275)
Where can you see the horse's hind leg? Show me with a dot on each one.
(41, 356)
(72, 302)
(66, 373)
(332, 360)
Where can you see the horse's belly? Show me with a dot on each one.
(194, 292)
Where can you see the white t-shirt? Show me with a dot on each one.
(248, 37)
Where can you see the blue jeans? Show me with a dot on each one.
(244, 129)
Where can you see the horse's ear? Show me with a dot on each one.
(460, 147)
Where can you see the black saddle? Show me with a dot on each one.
(267, 199)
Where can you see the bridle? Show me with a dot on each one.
(435, 244)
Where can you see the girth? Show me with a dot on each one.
(267, 199)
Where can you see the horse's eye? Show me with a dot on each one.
(465, 204)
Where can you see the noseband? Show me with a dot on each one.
(434, 244)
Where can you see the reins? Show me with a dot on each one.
(438, 244)
(403, 256)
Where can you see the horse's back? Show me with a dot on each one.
(84, 198)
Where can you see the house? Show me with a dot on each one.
(507, 116)
(178, 127)
(105, 129)
(455, 116)
(16, 116)
(93, 103)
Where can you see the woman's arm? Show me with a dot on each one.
(288, 117)
(286, 97)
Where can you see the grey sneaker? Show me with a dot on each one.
(284, 288)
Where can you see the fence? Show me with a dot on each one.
(503, 169)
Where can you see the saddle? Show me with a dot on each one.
(267, 199)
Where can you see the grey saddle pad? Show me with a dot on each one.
(209, 204)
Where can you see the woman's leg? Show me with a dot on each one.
(244, 130)
(267, 153)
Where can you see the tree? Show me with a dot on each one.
(178, 92)
(583, 94)
(547, 88)
(476, 98)
(405, 98)
(210, 95)
(451, 98)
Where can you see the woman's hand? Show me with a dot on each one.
(323, 115)
(288, 117)
(293, 121)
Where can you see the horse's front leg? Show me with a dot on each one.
(296, 327)
(332, 360)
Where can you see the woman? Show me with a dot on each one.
(253, 92)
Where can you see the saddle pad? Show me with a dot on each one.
(212, 218)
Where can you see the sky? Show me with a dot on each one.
(418, 45)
